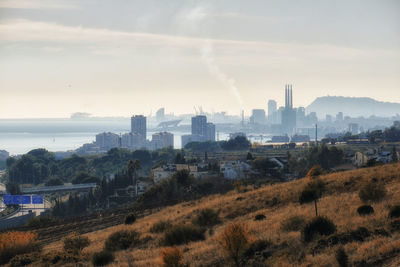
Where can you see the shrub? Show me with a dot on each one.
(259, 217)
(318, 225)
(293, 223)
(182, 234)
(130, 218)
(102, 258)
(235, 239)
(172, 257)
(341, 257)
(373, 191)
(207, 217)
(41, 221)
(23, 260)
(14, 243)
(121, 240)
(315, 171)
(54, 181)
(257, 246)
(394, 212)
(365, 210)
(74, 244)
(160, 226)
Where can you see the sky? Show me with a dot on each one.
(124, 57)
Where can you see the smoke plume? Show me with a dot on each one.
(207, 53)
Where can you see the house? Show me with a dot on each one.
(166, 171)
(235, 169)
(361, 158)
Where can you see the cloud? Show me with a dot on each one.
(36, 4)
(53, 34)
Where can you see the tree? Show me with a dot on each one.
(13, 188)
(266, 167)
(394, 154)
(133, 167)
(312, 192)
(249, 156)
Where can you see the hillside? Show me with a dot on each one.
(352, 106)
(277, 202)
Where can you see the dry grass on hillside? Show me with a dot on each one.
(277, 202)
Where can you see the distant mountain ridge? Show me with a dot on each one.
(352, 106)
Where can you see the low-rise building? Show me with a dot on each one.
(166, 171)
(300, 138)
(280, 139)
(362, 158)
(235, 169)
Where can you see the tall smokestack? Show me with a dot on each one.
(286, 96)
(291, 97)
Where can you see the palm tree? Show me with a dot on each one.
(133, 166)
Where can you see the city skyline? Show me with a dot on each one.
(114, 59)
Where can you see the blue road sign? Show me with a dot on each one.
(37, 199)
(16, 199)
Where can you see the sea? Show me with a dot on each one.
(19, 136)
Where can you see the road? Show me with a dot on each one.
(36, 208)
(2, 188)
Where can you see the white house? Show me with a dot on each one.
(235, 169)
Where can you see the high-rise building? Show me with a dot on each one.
(210, 135)
(258, 116)
(132, 141)
(339, 116)
(272, 111)
(328, 118)
(288, 114)
(162, 140)
(106, 141)
(199, 125)
(353, 128)
(138, 125)
(201, 131)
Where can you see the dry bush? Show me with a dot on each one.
(318, 225)
(207, 218)
(130, 218)
(341, 257)
(75, 243)
(183, 234)
(160, 226)
(373, 191)
(24, 259)
(394, 211)
(121, 240)
(293, 223)
(172, 257)
(102, 258)
(365, 210)
(235, 240)
(15, 243)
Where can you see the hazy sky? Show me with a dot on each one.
(122, 57)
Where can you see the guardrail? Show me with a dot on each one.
(57, 188)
